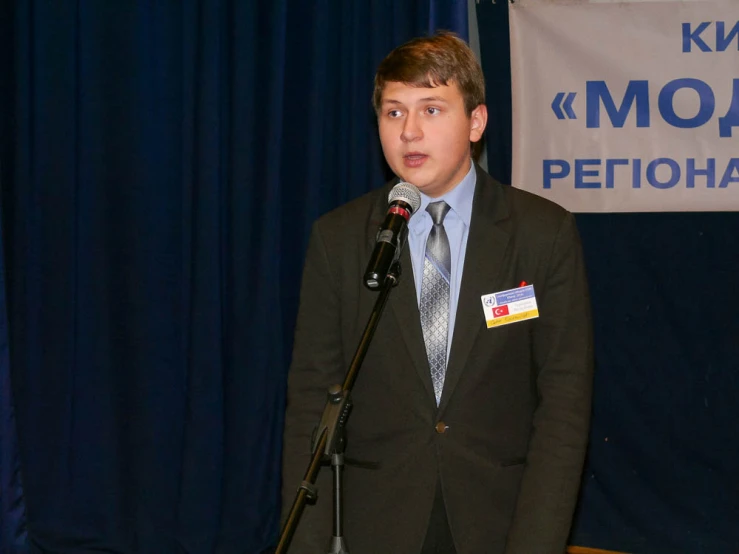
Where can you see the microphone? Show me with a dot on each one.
(404, 199)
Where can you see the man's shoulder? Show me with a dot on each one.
(530, 205)
(523, 207)
(356, 213)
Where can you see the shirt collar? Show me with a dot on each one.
(459, 200)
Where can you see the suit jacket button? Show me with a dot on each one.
(441, 427)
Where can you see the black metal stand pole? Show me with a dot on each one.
(329, 436)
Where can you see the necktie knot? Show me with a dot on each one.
(438, 211)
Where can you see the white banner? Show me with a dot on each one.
(627, 106)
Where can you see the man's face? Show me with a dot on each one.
(425, 134)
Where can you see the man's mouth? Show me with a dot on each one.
(414, 159)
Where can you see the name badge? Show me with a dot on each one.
(510, 306)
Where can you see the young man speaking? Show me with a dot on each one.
(471, 410)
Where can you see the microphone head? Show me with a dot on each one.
(407, 193)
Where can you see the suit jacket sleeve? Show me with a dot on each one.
(563, 359)
(316, 365)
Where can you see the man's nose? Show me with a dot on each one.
(411, 129)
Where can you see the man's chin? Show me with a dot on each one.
(422, 180)
(415, 178)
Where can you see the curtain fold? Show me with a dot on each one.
(13, 531)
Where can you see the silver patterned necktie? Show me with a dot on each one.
(434, 306)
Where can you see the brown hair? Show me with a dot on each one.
(433, 61)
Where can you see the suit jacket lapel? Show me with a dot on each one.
(486, 246)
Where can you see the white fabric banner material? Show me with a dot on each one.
(627, 106)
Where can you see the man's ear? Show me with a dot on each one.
(478, 121)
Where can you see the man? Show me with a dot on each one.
(472, 443)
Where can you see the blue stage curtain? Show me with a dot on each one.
(12, 506)
(162, 163)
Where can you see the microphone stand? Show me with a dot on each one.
(328, 437)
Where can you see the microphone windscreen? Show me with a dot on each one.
(407, 193)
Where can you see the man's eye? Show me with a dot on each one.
(394, 113)
(432, 110)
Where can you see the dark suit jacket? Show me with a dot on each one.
(516, 399)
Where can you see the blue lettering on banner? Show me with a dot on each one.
(637, 96)
(692, 36)
(652, 173)
(581, 172)
(637, 92)
(660, 173)
(562, 106)
(729, 173)
(549, 174)
(610, 165)
(705, 96)
(731, 119)
(722, 39)
(636, 174)
(691, 172)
